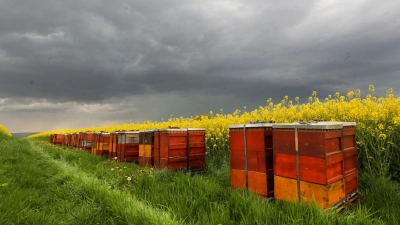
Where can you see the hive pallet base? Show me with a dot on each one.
(352, 199)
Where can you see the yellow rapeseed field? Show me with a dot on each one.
(378, 123)
(382, 111)
(4, 131)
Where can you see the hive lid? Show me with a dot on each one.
(173, 129)
(250, 125)
(182, 129)
(128, 132)
(147, 131)
(311, 126)
(349, 124)
(196, 129)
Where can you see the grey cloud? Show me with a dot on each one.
(148, 59)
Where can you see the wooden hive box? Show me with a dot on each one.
(87, 139)
(196, 148)
(72, 140)
(112, 153)
(320, 156)
(177, 148)
(81, 140)
(75, 140)
(65, 140)
(251, 161)
(350, 158)
(51, 139)
(128, 146)
(103, 144)
(325, 196)
(349, 147)
(146, 147)
(95, 142)
(58, 139)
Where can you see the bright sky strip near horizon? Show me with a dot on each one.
(72, 64)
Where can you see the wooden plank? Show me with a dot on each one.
(324, 196)
(316, 170)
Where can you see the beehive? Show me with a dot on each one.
(146, 147)
(103, 144)
(95, 142)
(66, 140)
(58, 139)
(74, 140)
(251, 158)
(319, 152)
(51, 140)
(128, 146)
(308, 162)
(113, 145)
(350, 158)
(180, 148)
(87, 139)
(325, 196)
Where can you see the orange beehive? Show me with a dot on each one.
(146, 147)
(310, 162)
(76, 140)
(87, 139)
(325, 196)
(58, 139)
(66, 140)
(102, 143)
(350, 158)
(319, 155)
(113, 145)
(180, 148)
(251, 161)
(51, 140)
(80, 140)
(95, 142)
(72, 140)
(128, 146)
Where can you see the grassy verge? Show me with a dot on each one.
(50, 184)
(36, 189)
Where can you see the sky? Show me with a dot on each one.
(75, 64)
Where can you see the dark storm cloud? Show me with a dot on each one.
(223, 54)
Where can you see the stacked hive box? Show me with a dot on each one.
(66, 139)
(81, 140)
(101, 144)
(58, 139)
(180, 148)
(52, 138)
(308, 163)
(251, 158)
(74, 140)
(146, 147)
(95, 141)
(113, 145)
(350, 159)
(71, 140)
(128, 146)
(87, 139)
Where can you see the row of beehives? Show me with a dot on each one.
(296, 162)
(173, 148)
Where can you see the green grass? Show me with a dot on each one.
(36, 189)
(45, 184)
